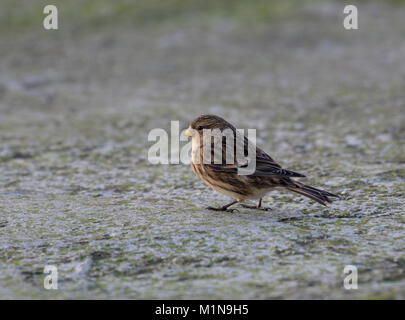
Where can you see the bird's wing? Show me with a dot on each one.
(263, 168)
(265, 165)
(268, 167)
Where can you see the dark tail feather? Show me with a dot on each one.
(318, 195)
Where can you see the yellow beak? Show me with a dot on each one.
(188, 133)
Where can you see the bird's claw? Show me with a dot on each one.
(265, 208)
(222, 209)
(248, 207)
(256, 208)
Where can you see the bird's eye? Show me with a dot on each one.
(199, 128)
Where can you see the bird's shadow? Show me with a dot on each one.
(279, 215)
(269, 214)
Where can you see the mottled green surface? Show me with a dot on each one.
(77, 191)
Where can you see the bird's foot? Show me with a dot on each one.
(226, 209)
(256, 207)
(264, 208)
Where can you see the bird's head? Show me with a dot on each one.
(207, 122)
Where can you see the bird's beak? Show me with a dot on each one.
(188, 133)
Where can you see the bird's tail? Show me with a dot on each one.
(321, 196)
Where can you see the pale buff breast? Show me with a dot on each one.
(217, 185)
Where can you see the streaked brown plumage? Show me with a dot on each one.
(225, 179)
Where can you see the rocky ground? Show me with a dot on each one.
(77, 190)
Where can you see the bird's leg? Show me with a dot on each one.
(259, 206)
(224, 208)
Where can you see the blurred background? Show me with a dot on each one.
(77, 190)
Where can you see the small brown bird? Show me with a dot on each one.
(224, 176)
